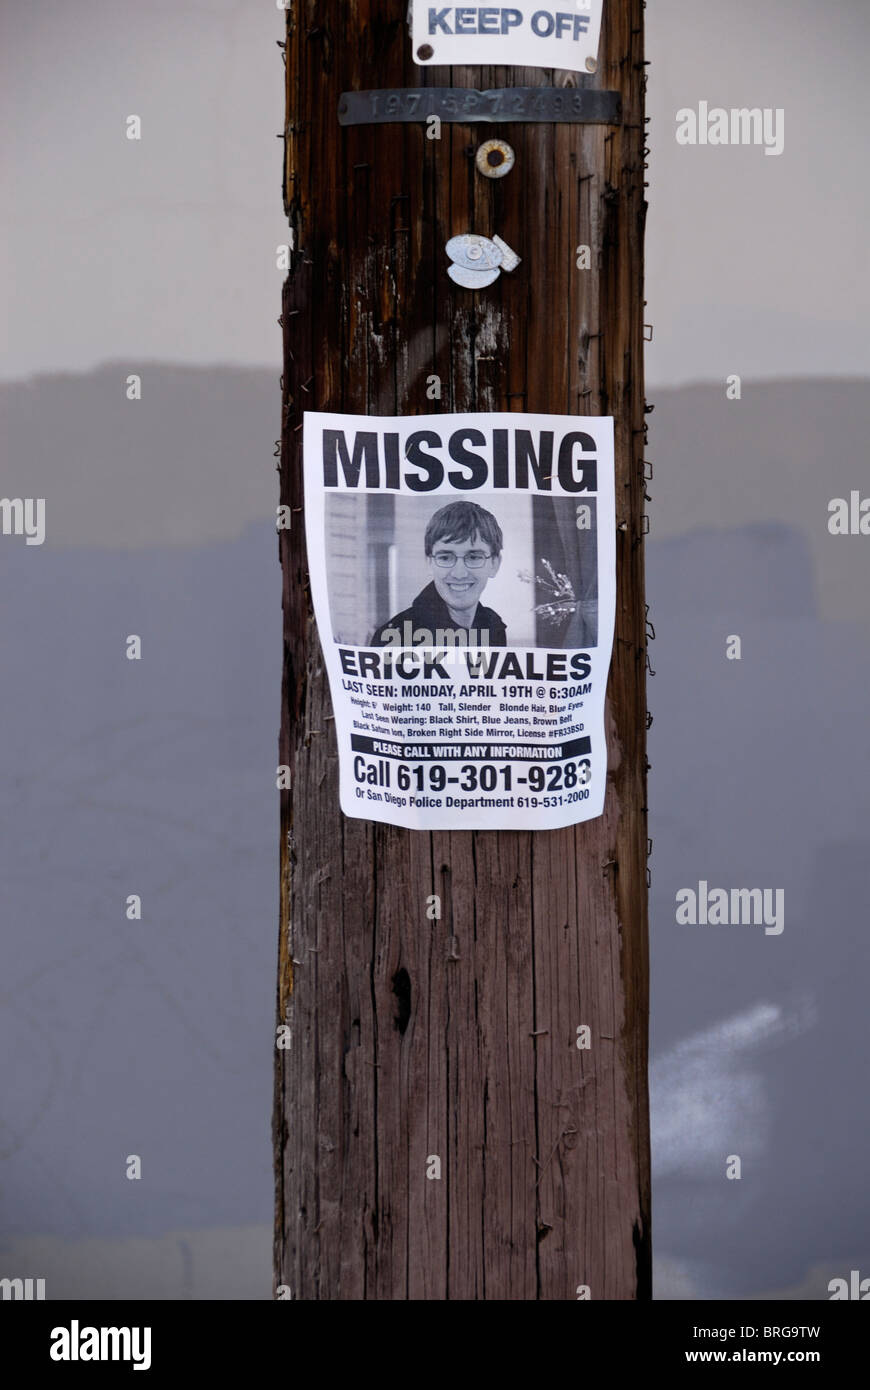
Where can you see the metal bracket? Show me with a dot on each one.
(463, 105)
(478, 260)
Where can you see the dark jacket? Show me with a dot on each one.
(429, 611)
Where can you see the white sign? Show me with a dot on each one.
(463, 576)
(528, 33)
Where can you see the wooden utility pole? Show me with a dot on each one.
(456, 1038)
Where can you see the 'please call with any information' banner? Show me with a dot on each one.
(463, 577)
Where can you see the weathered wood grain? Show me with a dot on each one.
(456, 1037)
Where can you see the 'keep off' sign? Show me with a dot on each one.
(528, 33)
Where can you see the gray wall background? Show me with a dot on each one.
(157, 777)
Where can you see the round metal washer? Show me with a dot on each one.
(494, 159)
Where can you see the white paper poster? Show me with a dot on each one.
(523, 34)
(463, 577)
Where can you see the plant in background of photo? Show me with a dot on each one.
(563, 599)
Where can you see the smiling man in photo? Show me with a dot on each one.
(463, 545)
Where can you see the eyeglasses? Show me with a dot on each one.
(475, 559)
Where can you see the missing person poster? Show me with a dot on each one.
(463, 577)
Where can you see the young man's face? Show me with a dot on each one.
(461, 584)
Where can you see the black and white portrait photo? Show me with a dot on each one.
(505, 570)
